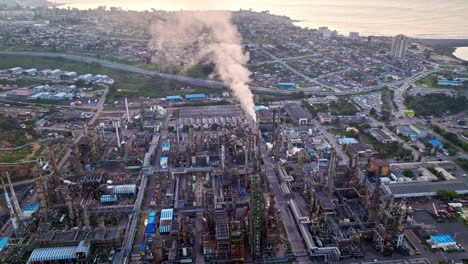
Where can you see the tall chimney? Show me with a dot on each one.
(16, 205)
(128, 112)
(10, 207)
(116, 124)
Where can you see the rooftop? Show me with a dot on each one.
(443, 238)
(59, 253)
(21, 92)
(420, 189)
(296, 112)
(210, 111)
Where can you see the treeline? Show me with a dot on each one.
(463, 163)
(393, 149)
(451, 137)
(436, 104)
(342, 107)
(387, 96)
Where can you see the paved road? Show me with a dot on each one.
(401, 91)
(99, 106)
(281, 204)
(307, 78)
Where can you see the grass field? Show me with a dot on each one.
(14, 155)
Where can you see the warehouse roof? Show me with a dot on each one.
(297, 112)
(210, 111)
(420, 189)
(108, 198)
(31, 207)
(59, 253)
(152, 217)
(436, 143)
(443, 238)
(4, 242)
(122, 189)
(173, 97)
(347, 140)
(167, 214)
(195, 96)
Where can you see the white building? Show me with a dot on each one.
(399, 46)
(354, 35)
(442, 241)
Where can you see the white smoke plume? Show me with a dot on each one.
(194, 37)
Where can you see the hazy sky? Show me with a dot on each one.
(428, 18)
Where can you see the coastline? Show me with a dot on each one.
(441, 45)
(444, 46)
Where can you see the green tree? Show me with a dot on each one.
(447, 194)
(408, 173)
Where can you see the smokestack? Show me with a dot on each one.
(128, 112)
(116, 124)
(177, 134)
(16, 205)
(211, 37)
(70, 207)
(86, 217)
(10, 207)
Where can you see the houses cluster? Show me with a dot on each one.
(422, 137)
(56, 74)
(53, 92)
(320, 57)
(421, 91)
(78, 30)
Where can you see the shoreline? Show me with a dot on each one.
(294, 21)
(444, 46)
(441, 45)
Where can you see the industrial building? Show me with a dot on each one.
(382, 136)
(421, 129)
(207, 116)
(442, 241)
(71, 253)
(298, 114)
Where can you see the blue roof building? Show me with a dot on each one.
(436, 143)
(4, 242)
(287, 85)
(165, 221)
(173, 98)
(442, 241)
(109, 198)
(30, 209)
(261, 107)
(122, 189)
(166, 146)
(60, 253)
(163, 162)
(447, 82)
(344, 141)
(151, 224)
(195, 96)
